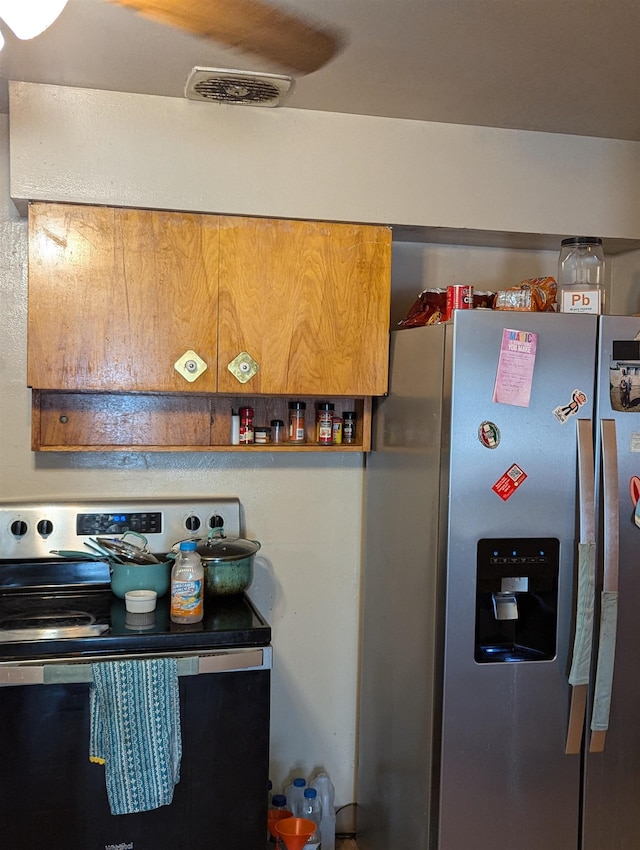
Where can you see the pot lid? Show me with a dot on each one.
(227, 548)
(126, 551)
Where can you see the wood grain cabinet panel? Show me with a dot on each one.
(309, 301)
(117, 296)
(106, 421)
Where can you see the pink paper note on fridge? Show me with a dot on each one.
(515, 367)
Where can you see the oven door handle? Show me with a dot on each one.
(58, 672)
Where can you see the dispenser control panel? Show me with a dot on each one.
(516, 599)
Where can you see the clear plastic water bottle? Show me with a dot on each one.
(278, 804)
(312, 810)
(326, 793)
(187, 585)
(278, 801)
(294, 794)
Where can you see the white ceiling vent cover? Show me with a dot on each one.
(219, 85)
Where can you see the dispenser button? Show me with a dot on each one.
(515, 584)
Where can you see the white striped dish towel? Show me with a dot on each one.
(135, 731)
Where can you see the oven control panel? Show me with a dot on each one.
(32, 530)
(118, 523)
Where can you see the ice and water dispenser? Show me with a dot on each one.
(516, 599)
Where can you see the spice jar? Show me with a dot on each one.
(262, 434)
(349, 418)
(235, 428)
(324, 423)
(277, 431)
(297, 425)
(337, 430)
(246, 425)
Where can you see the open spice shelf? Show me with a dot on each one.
(95, 421)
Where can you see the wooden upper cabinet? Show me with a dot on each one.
(117, 296)
(309, 302)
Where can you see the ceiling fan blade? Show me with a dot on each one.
(249, 25)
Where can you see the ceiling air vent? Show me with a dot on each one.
(219, 85)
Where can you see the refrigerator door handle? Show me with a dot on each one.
(583, 639)
(609, 596)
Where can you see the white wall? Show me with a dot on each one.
(111, 148)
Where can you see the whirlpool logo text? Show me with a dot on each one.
(127, 846)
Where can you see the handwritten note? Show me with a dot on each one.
(515, 368)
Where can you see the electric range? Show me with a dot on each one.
(60, 622)
(53, 606)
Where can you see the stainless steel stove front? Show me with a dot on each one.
(34, 530)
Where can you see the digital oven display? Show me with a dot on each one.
(118, 523)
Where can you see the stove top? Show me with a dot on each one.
(53, 607)
(30, 629)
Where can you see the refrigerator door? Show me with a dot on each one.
(612, 775)
(520, 382)
(402, 586)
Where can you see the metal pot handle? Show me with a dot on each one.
(175, 547)
(135, 534)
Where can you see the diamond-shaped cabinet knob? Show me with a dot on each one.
(243, 367)
(190, 366)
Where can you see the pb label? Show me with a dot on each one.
(582, 301)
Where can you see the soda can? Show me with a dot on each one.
(459, 297)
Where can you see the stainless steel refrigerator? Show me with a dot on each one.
(501, 588)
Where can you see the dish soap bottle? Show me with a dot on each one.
(187, 584)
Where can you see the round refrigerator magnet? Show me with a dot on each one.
(489, 435)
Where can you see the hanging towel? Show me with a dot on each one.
(135, 731)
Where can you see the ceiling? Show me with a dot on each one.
(562, 66)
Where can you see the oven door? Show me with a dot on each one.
(52, 796)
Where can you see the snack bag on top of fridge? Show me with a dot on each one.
(536, 295)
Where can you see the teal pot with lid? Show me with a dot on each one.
(125, 577)
(228, 564)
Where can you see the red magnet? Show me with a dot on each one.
(507, 484)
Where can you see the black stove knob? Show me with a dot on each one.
(19, 528)
(192, 523)
(45, 527)
(216, 521)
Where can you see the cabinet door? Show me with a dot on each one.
(117, 296)
(309, 302)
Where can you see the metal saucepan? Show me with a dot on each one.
(227, 562)
(133, 567)
(125, 577)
